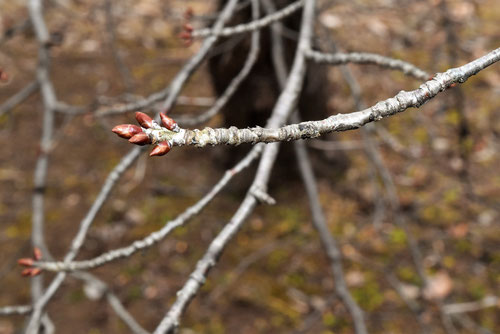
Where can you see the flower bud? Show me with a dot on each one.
(169, 123)
(161, 149)
(144, 120)
(140, 139)
(37, 253)
(3, 75)
(26, 272)
(27, 262)
(127, 131)
(35, 271)
(186, 36)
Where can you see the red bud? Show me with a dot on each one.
(35, 271)
(3, 75)
(27, 262)
(188, 27)
(161, 149)
(144, 120)
(37, 253)
(169, 123)
(127, 130)
(26, 272)
(186, 35)
(140, 139)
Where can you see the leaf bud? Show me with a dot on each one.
(169, 123)
(127, 131)
(37, 253)
(144, 120)
(161, 149)
(140, 139)
(27, 262)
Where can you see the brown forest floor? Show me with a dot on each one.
(274, 277)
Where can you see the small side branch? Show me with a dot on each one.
(19, 97)
(15, 310)
(159, 235)
(254, 25)
(339, 58)
(490, 301)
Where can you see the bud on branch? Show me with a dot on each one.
(30, 262)
(143, 136)
(171, 133)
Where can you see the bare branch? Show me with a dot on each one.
(231, 89)
(318, 218)
(255, 24)
(368, 58)
(85, 224)
(286, 103)
(171, 93)
(159, 235)
(19, 97)
(102, 288)
(340, 122)
(17, 309)
(486, 302)
(49, 102)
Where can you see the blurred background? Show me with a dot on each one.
(438, 173)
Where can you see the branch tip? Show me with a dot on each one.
(169, 123)
(140, 139)
(27, 262)
(127, 131)
(144, 120)
(161, 149)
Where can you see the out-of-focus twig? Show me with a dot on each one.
(15, 309)
(117, 57)
(306, 171)
(49, 105)
(253, 25)
(340, 122)
(486, 302)
(170, 93)
(19, 97)
(230, 90)
(339, 58)
(284, 106)
(100, 288)
(159, 235)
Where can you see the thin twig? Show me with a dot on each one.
(327, 240)
(340, 122)
(159, 235)
(230, 90)
(318, 218)
(253, 25)
(368, 58)
(117, 57)
(103, 289)
(486, 302)
(19, 97)
(15, 309)
(171, 93)
(40, 175)
(286, 103)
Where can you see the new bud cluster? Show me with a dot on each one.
(137, 134)
(29, 262)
